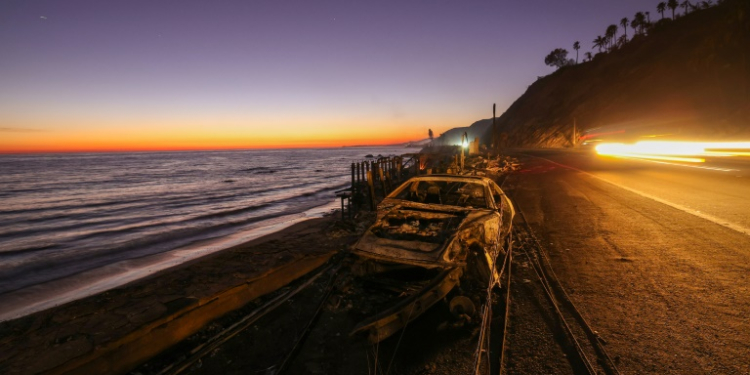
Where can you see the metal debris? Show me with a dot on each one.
(436, 237)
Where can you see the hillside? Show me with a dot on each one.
(687, 78)
(479, 129)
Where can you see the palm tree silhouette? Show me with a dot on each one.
(661, 7)
(640, 20)
(686, 5)
(611, 35)
(587, 56)
(624, 23)
(621, 40)
(648, 17)
(672, 4)
(577, 46)
(600, 42)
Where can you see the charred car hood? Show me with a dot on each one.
(417, 233)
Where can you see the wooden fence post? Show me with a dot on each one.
(382, 181)
(400, 165)
(371, 186)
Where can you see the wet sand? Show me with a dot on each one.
(66, 336)
(57, 292)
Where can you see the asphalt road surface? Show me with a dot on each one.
(655, 255)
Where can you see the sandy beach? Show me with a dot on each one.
(136, 317)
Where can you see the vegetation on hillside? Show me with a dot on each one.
(683, 77)
(641, 25)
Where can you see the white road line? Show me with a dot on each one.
(711, 218)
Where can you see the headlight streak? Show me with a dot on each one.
(659, 157)
(664, 152)
(691, 152)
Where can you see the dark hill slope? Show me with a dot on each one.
(688, 78)
(479, 129)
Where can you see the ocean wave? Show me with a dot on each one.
(65, 214)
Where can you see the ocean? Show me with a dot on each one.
(73, 225)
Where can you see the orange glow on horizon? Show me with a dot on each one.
(92, 134)
(147, 146)
(52, 142)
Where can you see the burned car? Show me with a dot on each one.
(436, 237)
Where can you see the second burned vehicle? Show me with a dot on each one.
(436, 237)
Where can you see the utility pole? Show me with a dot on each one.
(575, 133)
(494, 131)
(464, 145)
(493, 114)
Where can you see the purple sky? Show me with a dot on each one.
(220, 65)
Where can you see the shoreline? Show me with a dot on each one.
(54, 293)
(89, 330)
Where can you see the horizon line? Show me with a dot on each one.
(114, 151)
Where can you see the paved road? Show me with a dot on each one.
(657, 256)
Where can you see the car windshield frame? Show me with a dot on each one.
(454, 192)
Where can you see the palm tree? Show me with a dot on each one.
(588, 56)
(600, 42)
(672, 4)
(661, 7)
(686, 5)
(648, 17)
(621, 40)
(577, 46)
(624, 23)
(611, 35)
(640, 20)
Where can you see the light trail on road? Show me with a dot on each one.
(688, 152)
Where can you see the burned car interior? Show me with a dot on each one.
(415, 225)
(451, 193)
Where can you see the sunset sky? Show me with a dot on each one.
(165, 75)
